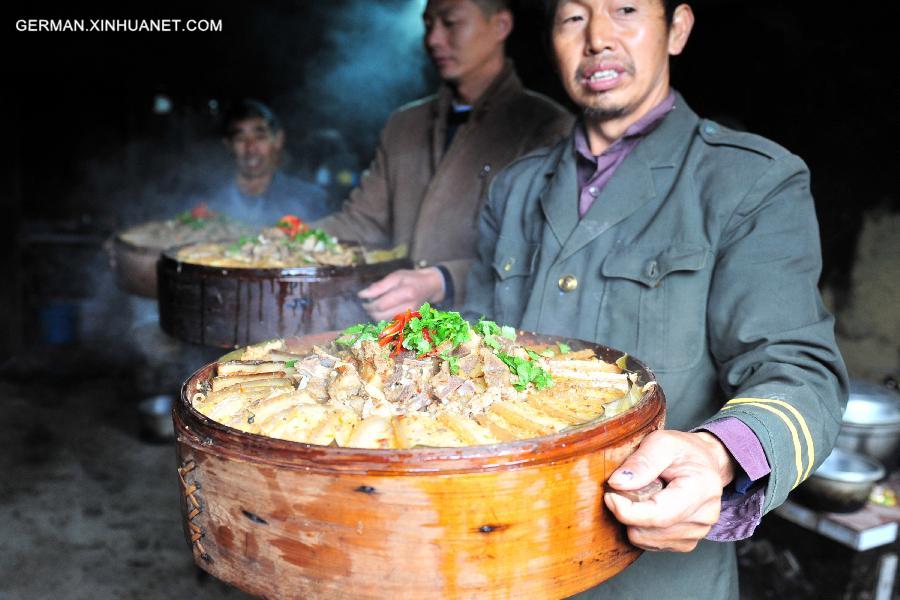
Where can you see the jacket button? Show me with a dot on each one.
(568, 283)
(507, 265)
(422, 264)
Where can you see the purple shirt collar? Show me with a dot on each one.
(595, 171)
(639, 128)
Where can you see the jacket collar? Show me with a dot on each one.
(630, 188)
(505, 85)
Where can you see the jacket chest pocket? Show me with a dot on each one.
(654, 303)
(514, 261)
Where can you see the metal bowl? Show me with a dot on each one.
(871, 423)
(156, 418)
(842, 483)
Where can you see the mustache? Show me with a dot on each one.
(591, 64)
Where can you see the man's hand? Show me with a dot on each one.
(696, 466)
(401, 290)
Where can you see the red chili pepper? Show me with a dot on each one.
(201, 211)
(393, 333)
(292, 225)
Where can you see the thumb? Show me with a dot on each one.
(642, 467)
(379, 287)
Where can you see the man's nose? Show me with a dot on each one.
(601, 33)
(435, 37)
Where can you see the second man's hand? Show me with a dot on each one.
(402, 290)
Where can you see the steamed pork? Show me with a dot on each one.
(290, 243)
(427, 378)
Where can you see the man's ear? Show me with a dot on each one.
(680, 29)
(278, 139)
(503, 23)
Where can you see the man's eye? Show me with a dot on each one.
(627, 10)
(572, 18)
(449, 24)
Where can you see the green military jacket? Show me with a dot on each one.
(701, 258)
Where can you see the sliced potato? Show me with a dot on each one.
(373, 432)
(421, 429)
(467, 429)
(527, 417)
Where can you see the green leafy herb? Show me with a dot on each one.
(508, 332)
(360, 331)
(186, 218)
(289, 364)
(548, 353)
(491, 342)
(489, 330)
(452, 361)
(433, 327)
(527, 371)
(242, 241)
(486, 328)
(564, 348)
(318, 234)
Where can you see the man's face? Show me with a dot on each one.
(613, 55)
(256, 148)
(461, 39)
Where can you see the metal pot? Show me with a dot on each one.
(156, 418)
(871, 423)
(842, 483)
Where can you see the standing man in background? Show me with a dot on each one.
(260, 192)
(694, 248)
(436, 157)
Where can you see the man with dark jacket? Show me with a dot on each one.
(437, 156)
(694, 248)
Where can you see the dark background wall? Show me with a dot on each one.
(88, 151)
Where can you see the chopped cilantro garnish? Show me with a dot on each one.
(194, 222)
(242, 241)
(290, 363)
(564, 348)
(527, 372)
(433, 327)
(452, 362)
(489, 330)
(317, 234)
(361, 331)
(486, 328)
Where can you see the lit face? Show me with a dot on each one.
(613, 55)
(461, 40)
(256, 148)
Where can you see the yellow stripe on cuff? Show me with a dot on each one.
(810, 446)
(795, 437)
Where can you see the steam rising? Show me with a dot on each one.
(372, 61)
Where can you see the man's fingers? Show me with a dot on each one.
(676, 503)
(650, 459)
(680, 538)
(379, 287)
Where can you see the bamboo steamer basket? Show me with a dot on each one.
(134, 266)
(233, 307)
(522, 519)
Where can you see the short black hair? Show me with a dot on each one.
(248, 108)
(551, 5)
(489, 7)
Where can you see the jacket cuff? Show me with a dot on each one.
(449, 289)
